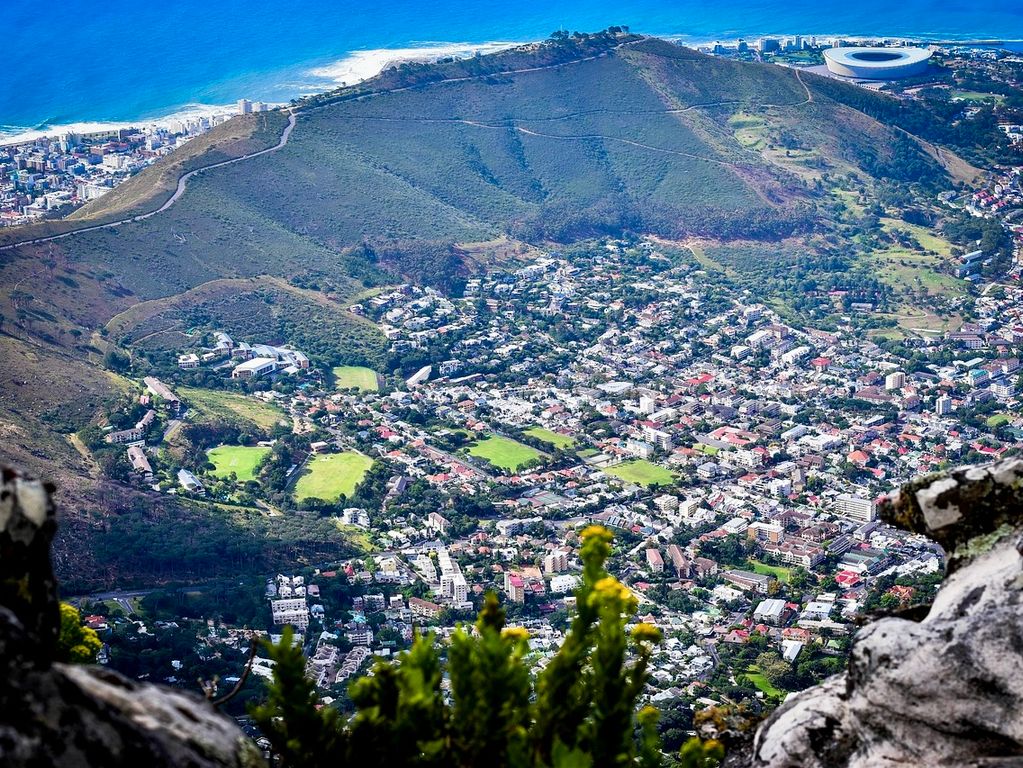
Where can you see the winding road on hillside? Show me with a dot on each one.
(178, 192)
(293, 115)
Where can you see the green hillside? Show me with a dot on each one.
(638, 135)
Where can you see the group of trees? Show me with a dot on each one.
(579, 711)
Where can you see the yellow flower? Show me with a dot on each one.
(516, 634)
(598, 532)
(646, 633)
(610, 590)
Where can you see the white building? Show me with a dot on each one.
(895, 380)
(855, 508)
(293, 611)
(254, 368)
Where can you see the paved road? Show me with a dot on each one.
(178, 192)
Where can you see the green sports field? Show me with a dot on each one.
(553, 438)
(240, 459)
(641, 472)
(780, 572)
(356, 377)
(760, 681)
(328, 476)
(503, 452)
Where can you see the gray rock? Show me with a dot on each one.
(947, 691)
(54, 714)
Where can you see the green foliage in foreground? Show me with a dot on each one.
(579, 712)
(77, 644)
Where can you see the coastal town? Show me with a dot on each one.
(51, 176)
(738, 458)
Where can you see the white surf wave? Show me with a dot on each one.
(19, 135)
(362, 65)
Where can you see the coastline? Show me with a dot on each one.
(188, 112)
(360, 65)
(351, 69)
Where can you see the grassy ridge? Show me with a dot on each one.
(230, 407)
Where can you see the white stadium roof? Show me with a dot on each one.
(877, 63)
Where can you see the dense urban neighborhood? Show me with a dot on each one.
(737, 458)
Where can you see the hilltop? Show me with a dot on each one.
(422, 174)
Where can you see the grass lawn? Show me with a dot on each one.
(240, 459)
(356, 377)
(749, 130)
(217, 405)
(779, 572)
(113, 605)
(641, 472)
(765, 685)
(904, 269)
(358, 537)
(978, 96)
(503, 452)
(329, 475)
(850, 199)
(997, 420)
(926, 237)
(554, 438)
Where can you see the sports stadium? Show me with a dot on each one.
(877, 63)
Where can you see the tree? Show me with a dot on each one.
(77, 644)
(581, 710)
(299, 733)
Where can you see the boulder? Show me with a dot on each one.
(944, 691)
(54, 714)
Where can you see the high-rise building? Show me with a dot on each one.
(556, 562)
(244, 106)
(514, 587)
(895, 380)
(855, 508)
(943, 405)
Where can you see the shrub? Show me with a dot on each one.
(579, 711)
(77, 644)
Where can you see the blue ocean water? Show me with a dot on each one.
(78, 61)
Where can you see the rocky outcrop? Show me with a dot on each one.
(944, 691)
(54, 714)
